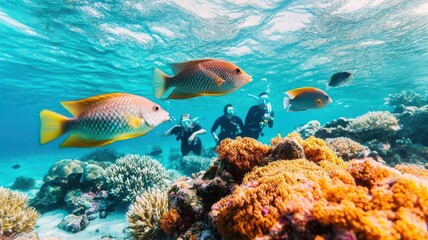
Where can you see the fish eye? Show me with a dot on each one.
(238, 71)
(156, 108)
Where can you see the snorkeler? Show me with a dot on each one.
(187, 131)
(258, 117)
(230, 125)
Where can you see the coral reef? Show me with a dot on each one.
(346, 148)
(23, 183)
(103, 155)
(374, 125)
(192, 164)
(92, 172)
(310, 198)
(15, 215)
(406, 98)
(63, 168)
(145, 213)
(242, 154)
(309, 129)
(132, 174)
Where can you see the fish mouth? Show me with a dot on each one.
(250, 79)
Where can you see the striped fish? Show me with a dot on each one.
(101, 120)
(207, 77)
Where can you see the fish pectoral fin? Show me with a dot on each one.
(295, 92)
(219, 81)
(177, 94)
(178, 67)
(318, 101)
(78, 106)
(76, 140)
(135, 122)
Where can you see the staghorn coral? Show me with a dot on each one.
(15, 215)
(346, 148)
(63, 168)
(132, 174)
(324, 198)
(242, 154)
(145, 213)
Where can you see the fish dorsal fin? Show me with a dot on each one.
(295, 92)
(78, 106)
(178, 67)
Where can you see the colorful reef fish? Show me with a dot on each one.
(305, 98)
(102, 119)
(339, 79)
(207, 77)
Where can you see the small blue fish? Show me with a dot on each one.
(339, 79)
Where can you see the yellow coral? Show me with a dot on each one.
(15, 215)
(416, 170)
(145, 213)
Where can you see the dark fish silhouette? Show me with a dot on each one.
(156, 152)
(339, 79)
(16, 166)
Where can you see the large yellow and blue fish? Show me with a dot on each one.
(102, 119)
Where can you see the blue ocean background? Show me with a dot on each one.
(62, 50)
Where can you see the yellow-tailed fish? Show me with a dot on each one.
(207, 77)
(102, 119)
(301, 99)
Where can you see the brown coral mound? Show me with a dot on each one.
(243, 153)
(346, 148)
(286, 199)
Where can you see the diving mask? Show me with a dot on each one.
(264, 99)
(230, 110)
(186, 122)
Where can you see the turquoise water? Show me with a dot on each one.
(61, 50)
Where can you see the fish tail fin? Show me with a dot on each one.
(286, 103)
(51, 125)
(327, 86)
(159, 83)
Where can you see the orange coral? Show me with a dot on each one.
(416, 170)
(243, 153)
(169, 220)
(366, 197)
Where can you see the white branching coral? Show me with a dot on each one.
(346, 148)
(145, 213)
(132, 174)
(15, 215)
(372, 121)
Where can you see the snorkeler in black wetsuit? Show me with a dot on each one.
(258, 117)
(187, 132)
(230, 125)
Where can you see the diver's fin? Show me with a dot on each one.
(134, 121)
(78, 106)
(51, 125)
(177, 94)
(159, 83)
(295, 92)
(178, 67)
(76, 140)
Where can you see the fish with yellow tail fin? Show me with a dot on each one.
(102, 119)
(207, 77)
(301, 99)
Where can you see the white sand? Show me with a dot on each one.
(113, 225)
